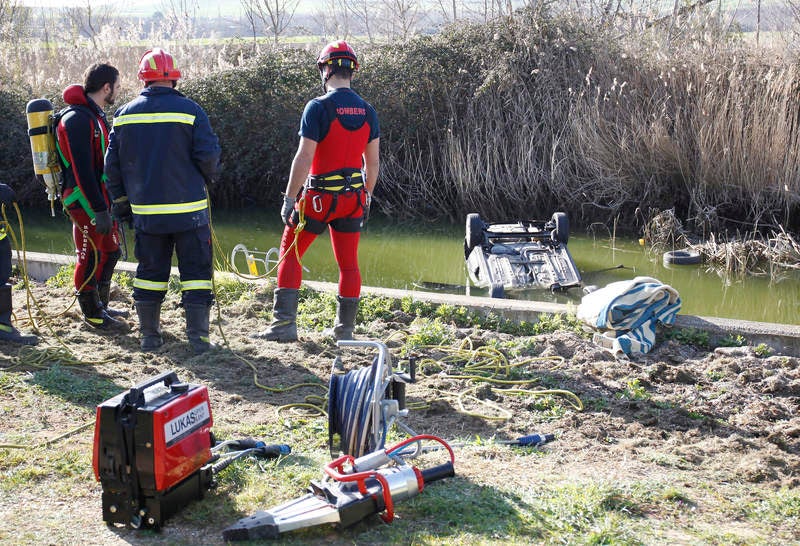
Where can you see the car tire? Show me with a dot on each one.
(475, 232)
(686, 256)
(561, 232)
(497, 291)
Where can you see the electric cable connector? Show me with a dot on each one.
(531, 440)
(240, 448)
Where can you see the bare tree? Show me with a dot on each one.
(14, 20)
(87, 20)
(252, 19)
(448, 10)
(758, 21)
(364, 12)
(333, 18)
(485, 10)
(181, 17)
(401, 19)
(274, 15)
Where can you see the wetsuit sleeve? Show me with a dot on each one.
(79, 130)
(311, 122)
(111, 168)
(205, 147)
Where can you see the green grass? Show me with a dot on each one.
(74, 388)
(500, 494)
(689, 336)
(63, 277)
(634, 390)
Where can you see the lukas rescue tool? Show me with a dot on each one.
(367, 479)
(351, 490)
(154, 451)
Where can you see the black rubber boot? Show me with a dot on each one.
(94, 314)
(284, 317)
(149, 313)
(104, 290)
(346, 311)
(7, 330)
(197, 318)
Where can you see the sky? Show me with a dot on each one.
(210, 6)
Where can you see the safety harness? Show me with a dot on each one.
(344, 181)
(77, 194)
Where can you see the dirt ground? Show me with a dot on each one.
(695, 416)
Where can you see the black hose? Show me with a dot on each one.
(350, 410)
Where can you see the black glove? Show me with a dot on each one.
(287, 209)
(7, 195)
(122, 213)
(102, 222)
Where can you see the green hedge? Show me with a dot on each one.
(516, 119)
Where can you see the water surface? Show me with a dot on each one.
(431, 257)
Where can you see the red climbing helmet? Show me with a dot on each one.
(156, 64)
(338, 53)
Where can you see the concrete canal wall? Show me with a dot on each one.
(783, 338)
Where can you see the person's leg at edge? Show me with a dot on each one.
(196, 266)
(154, 254)
(345, 249)
(88, 248)
(109, 256)
(290, 275)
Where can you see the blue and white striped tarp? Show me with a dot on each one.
(626, 313)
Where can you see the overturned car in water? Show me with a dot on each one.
(526, 254)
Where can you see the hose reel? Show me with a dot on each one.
(364, 403)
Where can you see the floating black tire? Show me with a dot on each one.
(561, 232)
(497, 291)
(475, 231)
(682, 257)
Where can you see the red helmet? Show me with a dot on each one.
(156, 64)
(339, 53)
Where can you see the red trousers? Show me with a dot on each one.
(341, 213)
(92, 248)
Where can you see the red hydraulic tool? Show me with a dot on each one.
(350, 491)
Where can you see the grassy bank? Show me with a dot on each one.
(684, 446)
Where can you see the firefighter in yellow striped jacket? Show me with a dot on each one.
(161, 154)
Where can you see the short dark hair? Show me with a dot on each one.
(97, 75)
(342, 71)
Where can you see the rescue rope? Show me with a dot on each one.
(350, 396)
(51, 440)
(35, 355)
(228, 266)
(489, 365)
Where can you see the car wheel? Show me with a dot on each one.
(682, 257)
(496, 291)
(475, 232)
(561, 233)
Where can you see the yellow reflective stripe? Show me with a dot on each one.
(149, 285)
(3, 234)
(170, 208)
(196, 285)
(339, 176)
(162, 117)
(339, 188)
